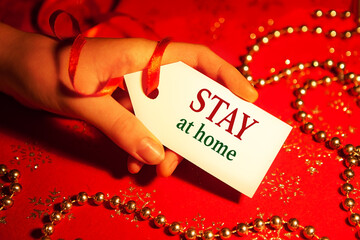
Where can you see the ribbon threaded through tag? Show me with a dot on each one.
(151, 72)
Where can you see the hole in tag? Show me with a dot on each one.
(154, 94)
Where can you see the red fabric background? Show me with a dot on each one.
(60, 157)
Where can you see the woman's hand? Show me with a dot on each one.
(34, 70)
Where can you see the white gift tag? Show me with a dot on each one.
(208, 125)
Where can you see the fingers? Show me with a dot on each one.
(210, 64)
(134, 165)
(164, 169)
(127, 131)
(168, 166)
(122, 127)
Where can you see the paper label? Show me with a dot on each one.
(207, 124)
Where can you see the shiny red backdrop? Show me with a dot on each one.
(60, 157)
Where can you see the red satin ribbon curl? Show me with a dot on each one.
(151, 72)
(151, 80)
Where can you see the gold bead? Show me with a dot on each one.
(298, 103)
(289, 30)
(248, 58)
(304, 28)
(354, 219)
(348, 149)
(301, 66)
(175, 228)
(351, 161)
(255, 48)
(48, 229)
(275, 78)
(300, 92)
(348, 203)
(293, 224)
(329, 63)
(242, 229)
(355, 91)
(341, 66)
(276, 222)
(332, 13)
(248, 77)
(320, 136)
(315, 63)
(115, 201)
(130, 206)
(190, 233)
(276, 33)
(348, 174)
(318, 30)
(349, 77)
(312, 83)
(261, 83)
(357, 29)
(3, 170)
(357, 79)
(7, 202)
(160, 220)
(225, 233)
(309, 232)
(327, 81)
(55, 217)
(332, 33)
(244, 68)
(14, 175)
(347, 34)
(318, 13)
(308, 127)
(208, 235)
(300, 116)
(346, 188)
(145, 213)
(99, 198)
(324, 238)
(259, 224)
(346, 14)
(65, 206)
(265, 40)
(334, 143)
(287, 71)
(15, 188)
(82, 198)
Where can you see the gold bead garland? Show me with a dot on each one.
(190, 233)
(351, 83)
(13, 188)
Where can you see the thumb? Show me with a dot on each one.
(121, 126)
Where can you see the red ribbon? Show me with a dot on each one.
(151, 72)
(150, 77)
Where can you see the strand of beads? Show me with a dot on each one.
(351, 83)
(160, 221)
(247, 58)
(351, 153)
(8, 191)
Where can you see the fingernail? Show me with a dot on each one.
(150, 151)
